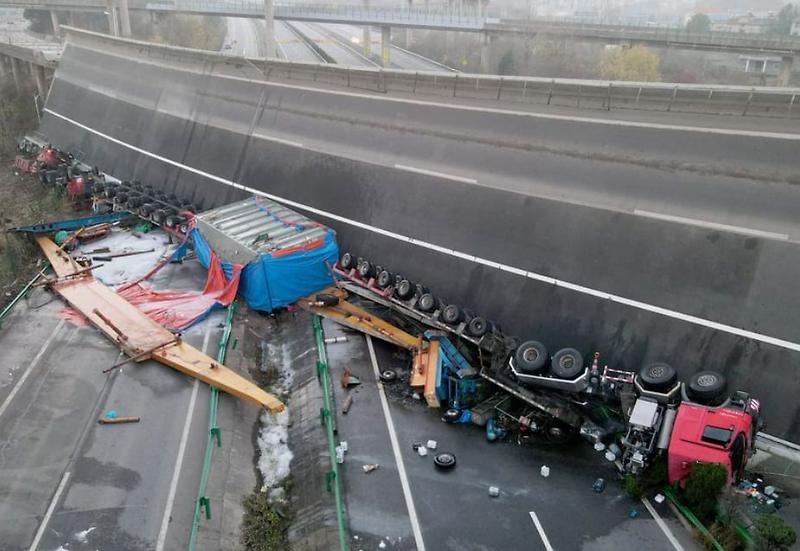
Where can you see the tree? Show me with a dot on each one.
(508, 64)
(773, 534)
(637, 64)
(699, 23)
(703, 486)
(783, 24)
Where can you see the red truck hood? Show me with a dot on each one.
(687, 446)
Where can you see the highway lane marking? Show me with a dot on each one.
(539, 529)
(494, 110)
(31, 366)
(444, 175)
(173, 485)
(278, 140)
(49, 513)
(712, 225)
(663, 525)
(688, 318)
(401, 468)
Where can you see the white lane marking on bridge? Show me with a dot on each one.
(712, 225)
(774, 341)
(451, 106)
(49, 513)
(31, 366)
(444, 175)
(173, 485)
(278, 140)
(663, 525)
(401, 468)
(539, 529)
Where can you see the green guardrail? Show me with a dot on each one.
(203, 502)
(743, 533)
(327, 417)
(25, 290)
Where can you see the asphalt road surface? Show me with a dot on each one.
(336, 48)
(452, 509)
(65, 480)
(292, 46)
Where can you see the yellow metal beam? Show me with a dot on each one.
(140, 337)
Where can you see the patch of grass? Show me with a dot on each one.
(265, 526)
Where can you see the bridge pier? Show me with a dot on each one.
(269, 25)
(124, 18)
(785, 73)
(366, 37)
(56, 23)
(38, 76)
(113, 20)
(386, 45)
(15, 74)
(486, 42)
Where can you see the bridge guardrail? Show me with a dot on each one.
(508, 90)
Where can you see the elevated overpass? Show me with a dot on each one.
(443, 19)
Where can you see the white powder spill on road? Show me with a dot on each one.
(273, 438)
(124, 269)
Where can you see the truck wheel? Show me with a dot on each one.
(347, 262)
(658, 377)
(404, 290)
(706, 386)
(384, 279)
(444, 461)
(452, 314)
(530, 357)
(451, 415)
(477, 327)
(388, 375)
(366, 270)
(567, 363)
(426, 303)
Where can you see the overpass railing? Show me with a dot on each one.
(507, 90)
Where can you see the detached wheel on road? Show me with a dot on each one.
(658, 377)
(404, 290)
(444, 460)
(567, 363)
(451, 415)
(706, 386)
(388, 375)
(347, 262)
(530, 357)
(452, 314)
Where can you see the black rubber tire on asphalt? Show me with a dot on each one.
(706, 386)
(404, 290)
(388, 375)
(451, 415)
(444, 460)
(658, 377)
(384, 279)
(530, 357)
(347, 262)
(567, 363)
(426, 303)
(478, 327)
(366, 270)
(452, 314)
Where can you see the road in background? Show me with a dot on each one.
(292, 46)
(244, 37)
(399, 57)
(337, 48)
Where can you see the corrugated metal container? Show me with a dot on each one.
(242, 231)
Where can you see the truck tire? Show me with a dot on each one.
(366, 270)
(384, 279)
(404, 290)
(530, 357)
(658, 377)
(477, 327)
(388, 376)
(567, 363)
(427, 303)
(706, 386)
(452, 314)
(347, 262)
(444, 461)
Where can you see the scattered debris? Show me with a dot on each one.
(80, 537)
(416, 446)
(416, 396)
(444, 460)
(388, 376)
(335, 340)
(431, 444)
(659, 498)
(347, 403)
(348, 380)
(633, 513)
(422, 451)
(370, 467)
(599, 485)
(382, 545)
(343, 445)
(544, 471)
(494, 491)
(117, 420)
